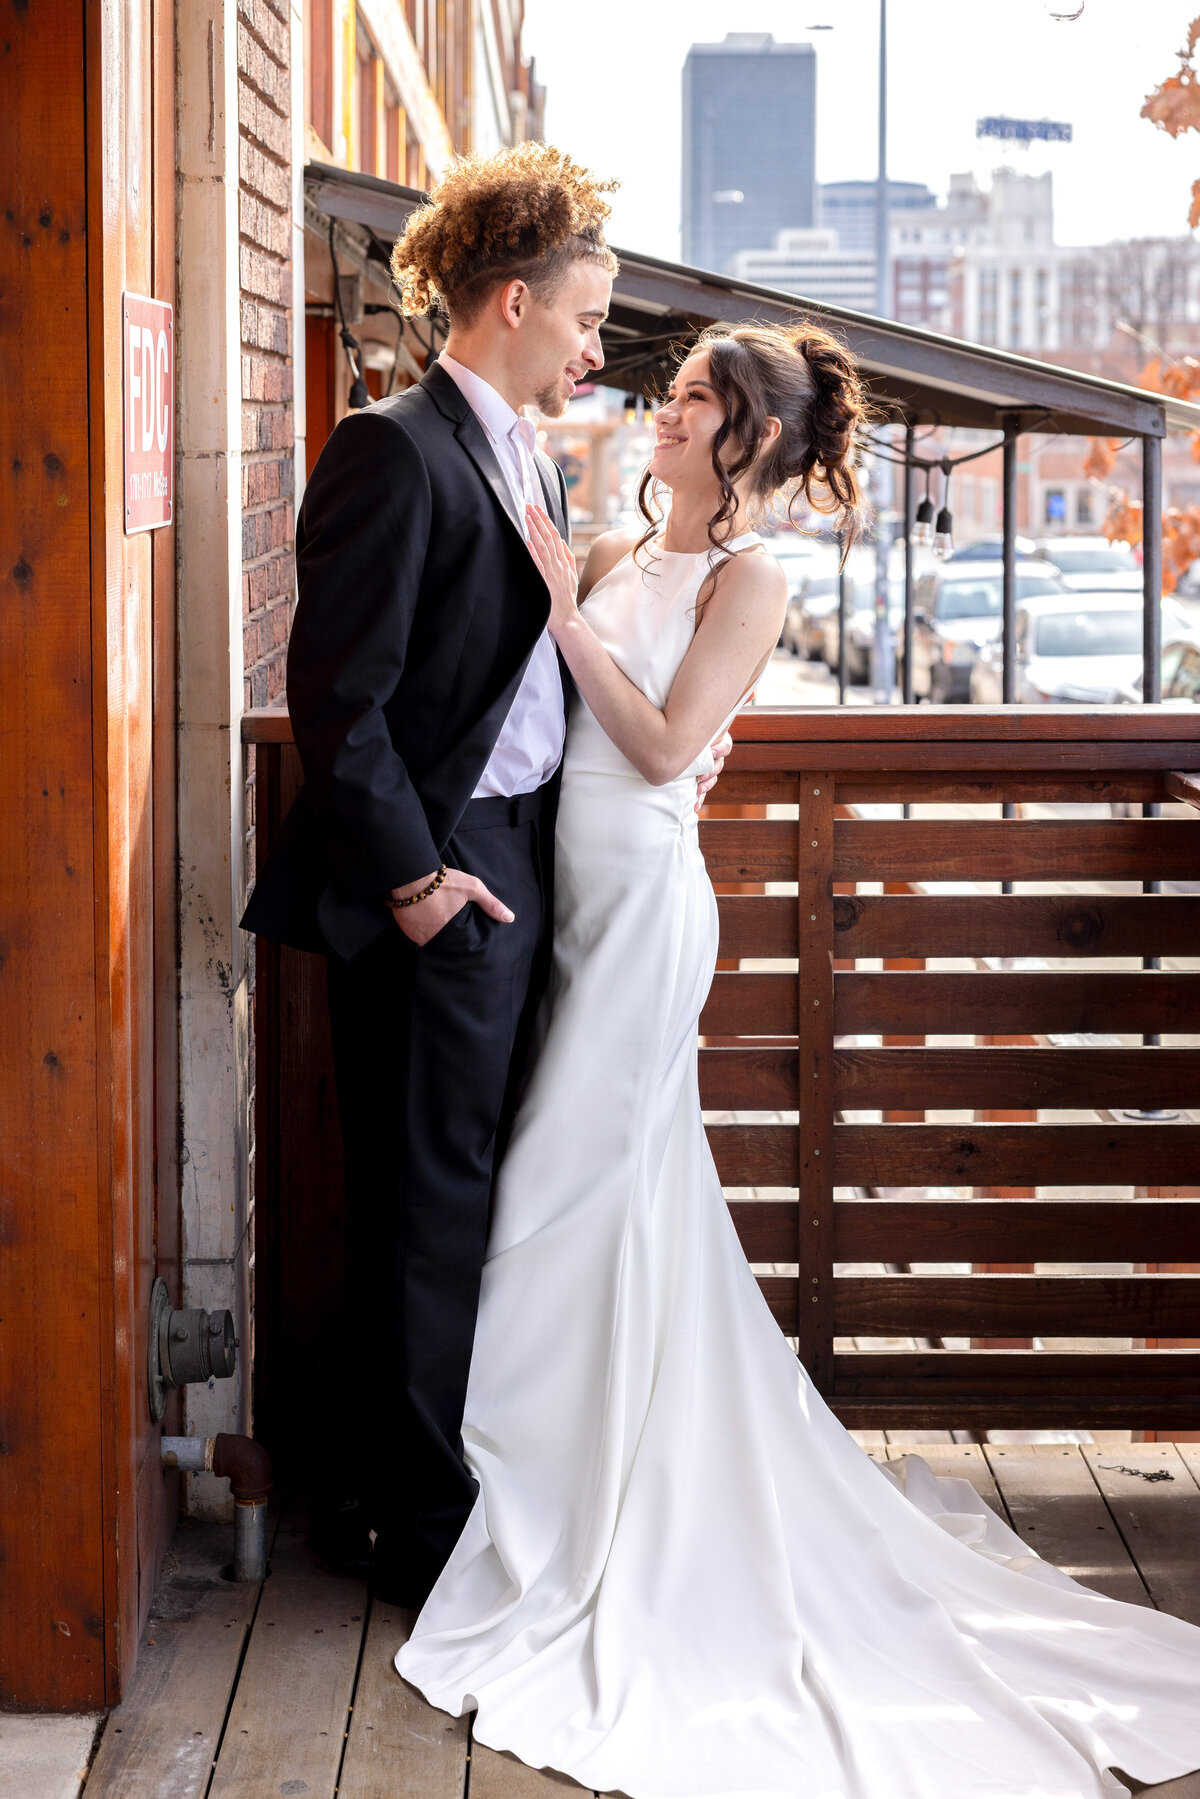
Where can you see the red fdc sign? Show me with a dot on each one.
(149, 413)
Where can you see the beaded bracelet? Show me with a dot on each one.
(425, 892)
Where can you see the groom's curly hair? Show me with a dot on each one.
(525, 213)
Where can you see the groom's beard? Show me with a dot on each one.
(551, 402)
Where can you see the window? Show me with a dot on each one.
(319, 20)
(1090, 634)
(366, 66)
(1117, 558)
(1015, 284)
(1084, 508)
(983, 596)
(1185, 682)
(1055, 506)
(988, 304)
(396, 133)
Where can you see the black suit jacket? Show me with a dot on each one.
(419, 606)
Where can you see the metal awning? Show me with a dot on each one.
(916, 376)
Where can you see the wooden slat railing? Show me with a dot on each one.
(789, 1047)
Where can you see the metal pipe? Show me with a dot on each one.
(1008, 629)
(910, 496)
(247, 1467)
(882, 297)
(191, 1454)
(1151, 570)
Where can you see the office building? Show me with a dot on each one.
(749, 145)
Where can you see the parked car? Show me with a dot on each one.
(956, 610)
(806, 612)
(1070, 648)
(860, 628)
(991, 549)
(800, 557)
(1093, 564)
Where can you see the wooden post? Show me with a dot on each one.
(814, 1324)
(1168, 1436)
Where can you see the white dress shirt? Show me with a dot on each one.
(530, 745)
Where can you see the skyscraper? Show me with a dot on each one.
(749, 145)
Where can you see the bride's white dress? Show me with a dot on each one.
(682, 1578)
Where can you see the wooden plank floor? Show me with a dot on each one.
(289, 1688)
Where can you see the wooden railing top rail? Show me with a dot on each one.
(941, 725)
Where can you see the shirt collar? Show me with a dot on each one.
(490, 408)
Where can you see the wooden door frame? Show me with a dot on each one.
(87, 785)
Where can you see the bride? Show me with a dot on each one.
(682, 1579)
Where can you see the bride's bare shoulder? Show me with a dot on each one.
(605, 553)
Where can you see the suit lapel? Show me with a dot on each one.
(473, 438)
(553, 496)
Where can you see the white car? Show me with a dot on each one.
(1078, 648)
(1093, 564)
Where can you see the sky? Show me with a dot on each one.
(613, 75)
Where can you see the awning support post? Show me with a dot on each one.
(1151, 569)
(1009, 525)
(909, 497)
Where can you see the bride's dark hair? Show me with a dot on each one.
(801, 375)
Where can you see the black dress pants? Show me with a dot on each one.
(429, 1051)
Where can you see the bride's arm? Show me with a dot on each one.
(738, 629)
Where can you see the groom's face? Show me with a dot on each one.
(559, 336)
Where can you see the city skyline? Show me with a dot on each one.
(1119, 178)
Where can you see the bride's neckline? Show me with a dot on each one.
(708, 549)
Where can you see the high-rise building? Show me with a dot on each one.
(749, 145)
(848, 207)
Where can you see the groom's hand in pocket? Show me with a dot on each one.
(423, 921)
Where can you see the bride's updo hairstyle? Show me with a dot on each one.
(801, 375)
(525, 213)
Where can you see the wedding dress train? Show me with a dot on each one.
(682, 1578)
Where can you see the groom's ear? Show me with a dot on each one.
(514, 301)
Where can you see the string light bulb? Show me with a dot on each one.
(923, 521)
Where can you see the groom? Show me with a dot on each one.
(428, 709)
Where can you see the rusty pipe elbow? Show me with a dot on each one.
(246, 1465)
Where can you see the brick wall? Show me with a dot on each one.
(268, 426)
(268, 483)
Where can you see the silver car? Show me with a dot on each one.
(1093, 564)
(958, 608)
(1078, 648)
